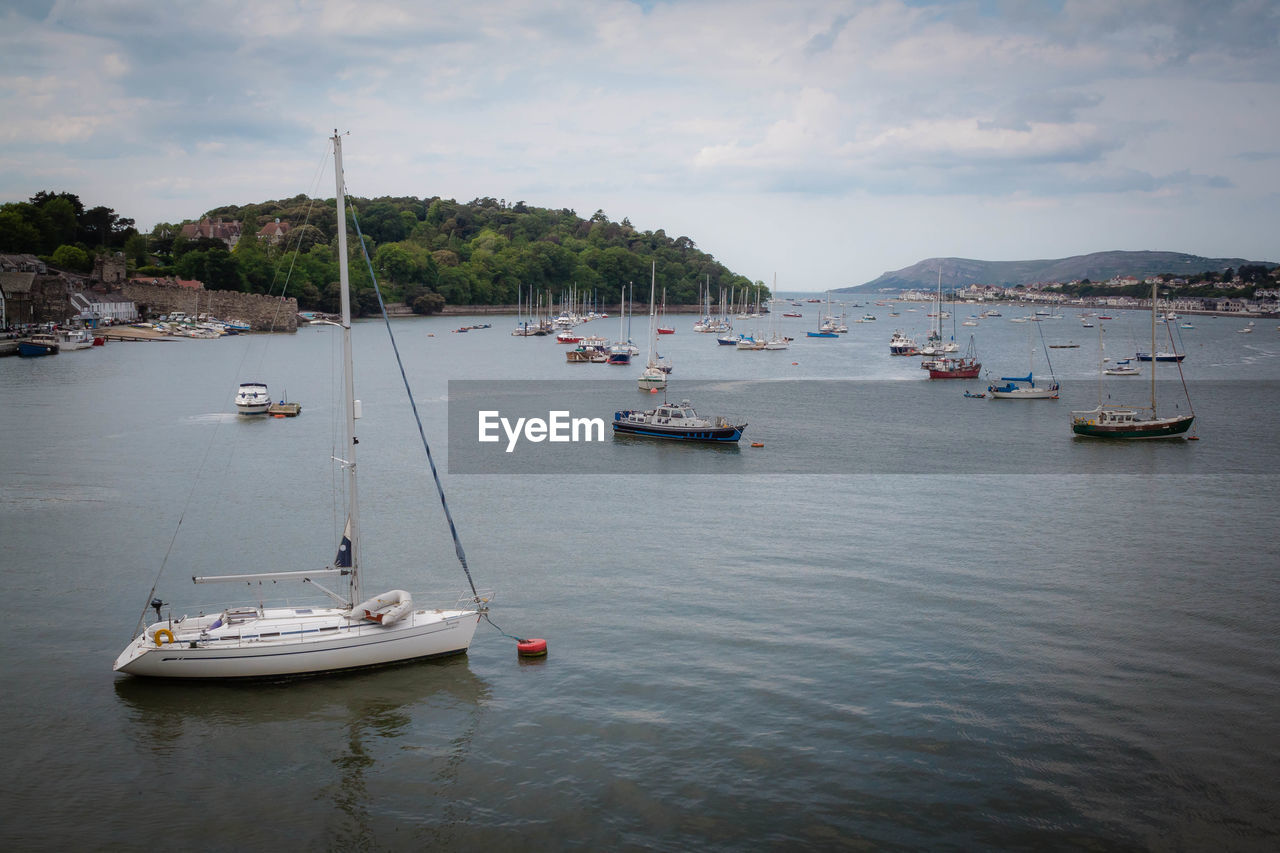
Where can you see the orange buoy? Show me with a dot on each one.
(531, 648)
(757, 444)
(794, 363)
(653, 390)
(278, 416)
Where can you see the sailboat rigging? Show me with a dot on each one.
(1129, 422)
(653, 377)
(259, 641)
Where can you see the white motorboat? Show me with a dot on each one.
(252, 398)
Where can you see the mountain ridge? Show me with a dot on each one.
(1097, 266)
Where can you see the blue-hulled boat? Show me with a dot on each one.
(38, 345)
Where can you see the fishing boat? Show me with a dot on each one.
(38, 345)
(676, 422)
(252, 398)
(951, 367)
(70, 340)
(254, 640)
(1132, 422)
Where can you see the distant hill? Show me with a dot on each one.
(1099, 266)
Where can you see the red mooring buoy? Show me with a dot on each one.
(531, 648)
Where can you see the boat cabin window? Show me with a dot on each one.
(664, 413)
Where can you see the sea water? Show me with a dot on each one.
(910, 619)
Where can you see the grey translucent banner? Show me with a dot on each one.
(821, 427)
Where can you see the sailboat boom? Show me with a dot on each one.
(269, 576)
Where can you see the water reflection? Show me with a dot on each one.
(360, 743)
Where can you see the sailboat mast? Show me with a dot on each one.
(653, 284)
(1153, 349)
(348, 372)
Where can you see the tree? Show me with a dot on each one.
(72, 258)
(60, 215)
(17, 233)
(428, 303)
(222, 272)
(97, 225)
(304, 237)
(135, 249)
(381, 221)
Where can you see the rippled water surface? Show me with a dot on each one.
(1076, 648)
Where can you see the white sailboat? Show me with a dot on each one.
(776, 341)
(1025, 387)
(653, 377)
(255, 640)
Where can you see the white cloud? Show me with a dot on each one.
(665, 111)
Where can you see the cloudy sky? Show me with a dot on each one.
(825, 142)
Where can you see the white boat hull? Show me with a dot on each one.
(318, 640)
(1024, 394)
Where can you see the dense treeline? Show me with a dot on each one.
(58, 228)
(426, 252)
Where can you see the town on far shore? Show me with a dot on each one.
(1263, 302)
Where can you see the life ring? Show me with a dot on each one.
(165, 632)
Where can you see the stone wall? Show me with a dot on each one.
(262, 313)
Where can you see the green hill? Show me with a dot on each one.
(1099, 266)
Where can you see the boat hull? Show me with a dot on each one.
(1023, 393)
(33, 349)
(1174, 427)
(706, 433)
(327, 643)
